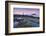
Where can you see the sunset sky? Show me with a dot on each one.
(26, 11)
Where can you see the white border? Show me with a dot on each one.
(31, 29)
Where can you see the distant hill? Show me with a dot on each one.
(25, 16)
